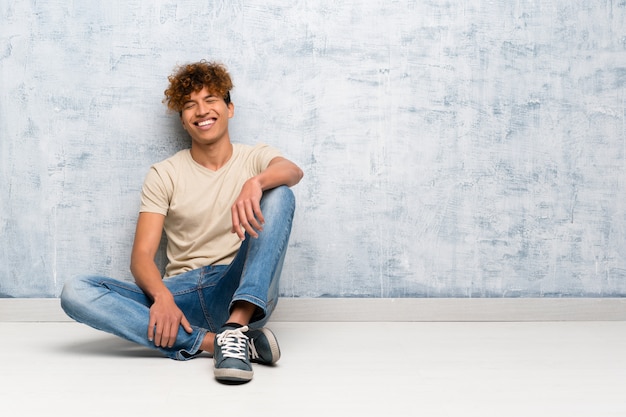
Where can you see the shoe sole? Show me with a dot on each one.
(233, 375)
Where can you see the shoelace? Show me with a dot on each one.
(252, 350)
(233, 343)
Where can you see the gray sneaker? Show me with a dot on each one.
(232, 356)
(263, 346)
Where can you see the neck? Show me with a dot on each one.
(212, 156)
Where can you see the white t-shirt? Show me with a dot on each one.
(196, 203)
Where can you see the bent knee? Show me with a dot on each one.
(71, 293)
(280, 195)
(68, 294)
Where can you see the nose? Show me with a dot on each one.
(202, 108)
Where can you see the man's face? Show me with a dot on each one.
(205, 117)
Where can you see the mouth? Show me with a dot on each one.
(205, 123)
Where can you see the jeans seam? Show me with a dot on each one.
(199, 293)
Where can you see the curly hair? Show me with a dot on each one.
(191, 78)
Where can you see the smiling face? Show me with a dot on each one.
(205, 117)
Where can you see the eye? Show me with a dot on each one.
(188, 105)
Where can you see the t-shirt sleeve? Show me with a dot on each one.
(263, 155)
(155, 193)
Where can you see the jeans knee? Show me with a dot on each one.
(281, 198)
(68, 294)
(71, 297)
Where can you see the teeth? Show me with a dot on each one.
(206, 123)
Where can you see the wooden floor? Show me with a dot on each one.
(429, 369)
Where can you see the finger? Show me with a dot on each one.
(236, 224)
(186, 325)
(171, 335)
(158, 335)
(253, 210)
(259, 214)
(251, 213)
(243, 219)
(151, 325)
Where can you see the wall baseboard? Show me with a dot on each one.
(383, 309)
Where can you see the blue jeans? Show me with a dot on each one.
(205, 295)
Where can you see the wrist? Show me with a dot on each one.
(256, 181)
(161, 295)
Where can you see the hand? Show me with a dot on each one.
(246, 212)
(165, 319)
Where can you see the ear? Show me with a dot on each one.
(231, 109)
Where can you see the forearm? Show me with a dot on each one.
(280, 172)
(148, 277)
(142, 265)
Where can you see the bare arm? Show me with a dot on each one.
(280, 171)
(246, 212)
(165, 316)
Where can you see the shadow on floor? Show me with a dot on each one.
(108, 345)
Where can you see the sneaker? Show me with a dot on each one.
(263, 346)
(232, 356)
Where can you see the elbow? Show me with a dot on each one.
(294, 177)
(298, 175)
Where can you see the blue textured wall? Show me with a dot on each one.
(451, 148)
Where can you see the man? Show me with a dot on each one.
(227, 211)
